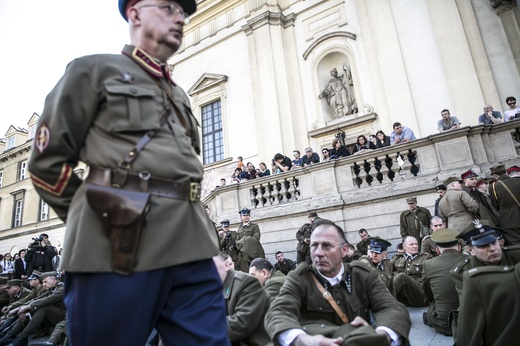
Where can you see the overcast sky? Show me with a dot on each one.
(38, 38)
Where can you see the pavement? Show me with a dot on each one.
(422, 335)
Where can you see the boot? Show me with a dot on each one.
(7, 339)
(20, 341)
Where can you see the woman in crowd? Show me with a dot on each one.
(326, 154)
(263, 171)
(338, 150)
(361, 145)
(250, 171)
(382, 139)
(7, 266)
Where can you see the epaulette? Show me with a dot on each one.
(458, 268)
(490, 269)
(511, 248)
(427, 237)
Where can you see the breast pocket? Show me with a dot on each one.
(130, 108)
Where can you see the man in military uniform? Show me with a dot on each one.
(15, 290)
(303, 235)
(408, 273)
(48, 310)
(332, 302)
(486, 211)
(437, 285)
(485, 250)
(457, 207)
(489, 306)
(246, 302)
(505, 197)
(315, 220)
(228, 242)
(269, 277)
(132, 125)
(413, 219)
(378, 260)
(428, 246)
(248, 241)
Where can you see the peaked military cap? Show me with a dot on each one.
(410, 200)
(445, 237)
(450, 180)
(481, 235)
(245, 211)
(189, 6)
(378, 245)
(47, 274)
(35, 275)
(468, 174)
(225, 223)
(498, 169)
(3, 281)
(14, 282)
(513, 169)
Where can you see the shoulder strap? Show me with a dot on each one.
(510, 193)
(328, 297)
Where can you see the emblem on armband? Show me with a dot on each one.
(42, 138)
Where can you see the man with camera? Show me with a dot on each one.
(40, 254)
(227, 242)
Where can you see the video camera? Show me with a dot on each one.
(37, 241)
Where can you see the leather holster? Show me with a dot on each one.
(123, 214)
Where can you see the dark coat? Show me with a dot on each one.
(411, 222)
(508, 209)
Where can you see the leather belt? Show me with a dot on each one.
(144, 182)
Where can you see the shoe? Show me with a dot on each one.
(425, 318)
(43, 343)
(19, 341)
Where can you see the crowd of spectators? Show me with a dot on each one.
(339, 148)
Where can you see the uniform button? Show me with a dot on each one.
(320, 309)
(338, 302)
(322, 326)
(133, 91)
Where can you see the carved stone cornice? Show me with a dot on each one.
(269, 18)
(502, 5)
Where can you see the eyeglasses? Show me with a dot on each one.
(511, 103)
(324, 246)
(171, 9)
(324, 151)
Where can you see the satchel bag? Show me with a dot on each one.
(123, 214)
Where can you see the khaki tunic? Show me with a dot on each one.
(300, 305)
(490, 307)
(458, 208)
(408, 275)
(385, 269)
(102, 106)
(246, 303)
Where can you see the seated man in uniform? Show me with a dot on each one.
(283, 264)
(246, 303)
(438, 287)
(271, 279)
(408, 271)
(332, 302)
(377, 259)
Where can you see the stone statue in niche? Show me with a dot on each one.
(339, 93)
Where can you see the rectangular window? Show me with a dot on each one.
(1, 177)
(22, 170)
(10, 142)
(44, 210)
(212, 141)
(18, 209)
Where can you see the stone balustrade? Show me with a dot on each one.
(366, 190)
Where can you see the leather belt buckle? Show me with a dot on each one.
(194, 192)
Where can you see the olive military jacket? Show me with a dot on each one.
(273, 285)
(489, 307)
(246, 303)
(98, 111)
(458, 208)
(385, 270)
(439, 288)
(508, 209)
(300, 305)
(510, 256)
(35, 292)
(412, 267)
(411, 222)
(248, 241)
